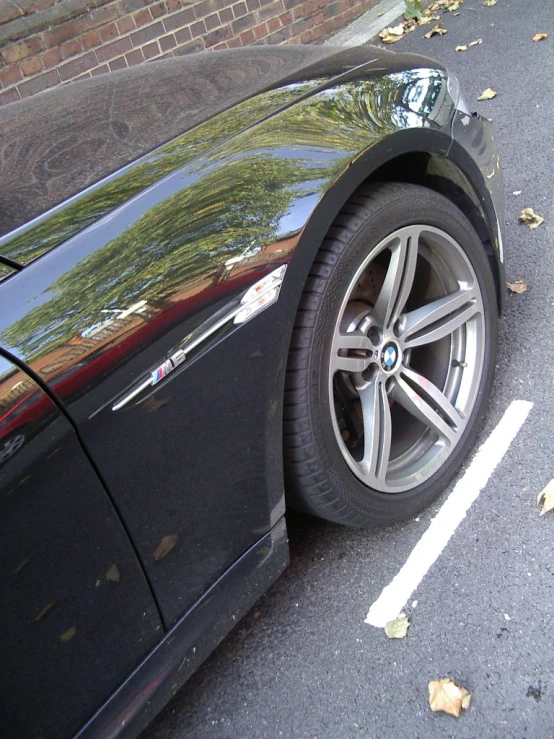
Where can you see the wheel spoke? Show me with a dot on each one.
(428, 404)
(352, 352)
(440, 318)
(399, 278)
(377, 430)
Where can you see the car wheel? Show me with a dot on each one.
(392, 358)
(11, 446)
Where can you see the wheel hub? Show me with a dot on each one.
(390, 357)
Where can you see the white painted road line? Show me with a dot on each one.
(395, 595)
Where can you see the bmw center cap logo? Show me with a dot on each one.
(389, 356)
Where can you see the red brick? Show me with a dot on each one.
(319, 17)
(126, 24)
(100, 16)
(134, 57)
(17, 52)
(226, 15)
(89, 40)
(77, 66)
(317, 33)
(148, 33)
(247, 37)
(9, 11)
(178, 20)
(242, 24)
(39, 83)
(65, 32)
(234, 43)
(118, 63)
(108, 32)
(99, 70)
(167, 42)
(173, 5)
(151, 50)
(294, 40)
(30, 66)
(306, 37)
(299, 12)
(198, 29)
(128, 6)
(271, 11)
(9, 96)
(260, 31)
(252, 4)
(190, 48)
(183, 35)
(220, 47)
(273, 24)
(239, 9)
(70, 48)
(158, 9)
(116, 48)
(142, 17)
(216, 37)
(286, 19)
(10, 75)
(212, 21)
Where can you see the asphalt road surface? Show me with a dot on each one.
(303, 663)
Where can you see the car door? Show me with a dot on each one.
(77, 614)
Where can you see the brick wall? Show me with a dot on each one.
(46, 43)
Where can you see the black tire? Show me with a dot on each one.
(318, 479)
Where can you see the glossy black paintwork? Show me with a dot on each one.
(70, 635)
(198, 458)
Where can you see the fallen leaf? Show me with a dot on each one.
(112, 575)
(21, 565)
(489, 3)
(477, 42)
(47, 608)
(530, 218)
(380, 13)
(69, 634)
(518, 286)
(540, 36)
(165, 546)
(438, 30)
(446, 695)
(547, 497)
(460, 48)
(397, 628)
(392, 35)
(426, 19)
(487, 94)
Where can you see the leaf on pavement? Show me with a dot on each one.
(460, 48)
(487, 94)
(530, 218)
(446, 695)
(69, 634)
(477, 42)
(489, 3)
(397, 628)
(392, 35)
(540, 36)
(165, 546)
(546, 496)
(47, 608)
(518, 286)
(438, 30)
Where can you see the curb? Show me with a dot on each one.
(368, 25)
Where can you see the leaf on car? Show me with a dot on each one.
(397, 628)
(446, 695)
(21, 565)
(546, 497)
(487, 94)
(530, 218)
(438, 30)
(518, 286)
(165, 546)
(113, 575)
(69, 634)
(540, 36)
(47, 608)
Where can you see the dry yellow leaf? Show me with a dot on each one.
(446, 695)
(546, 496)
(477, 42)
(540, 36)
(47, 608)
(397, 628)
(69, 634)
(518, 286)
(427, 19)
(392, 35)
(112, 575)
(487, 94)
(460, 48)
(490, 3)
(438, 30)
(530, 218)
(165, 546)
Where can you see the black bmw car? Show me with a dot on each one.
(228, 283)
